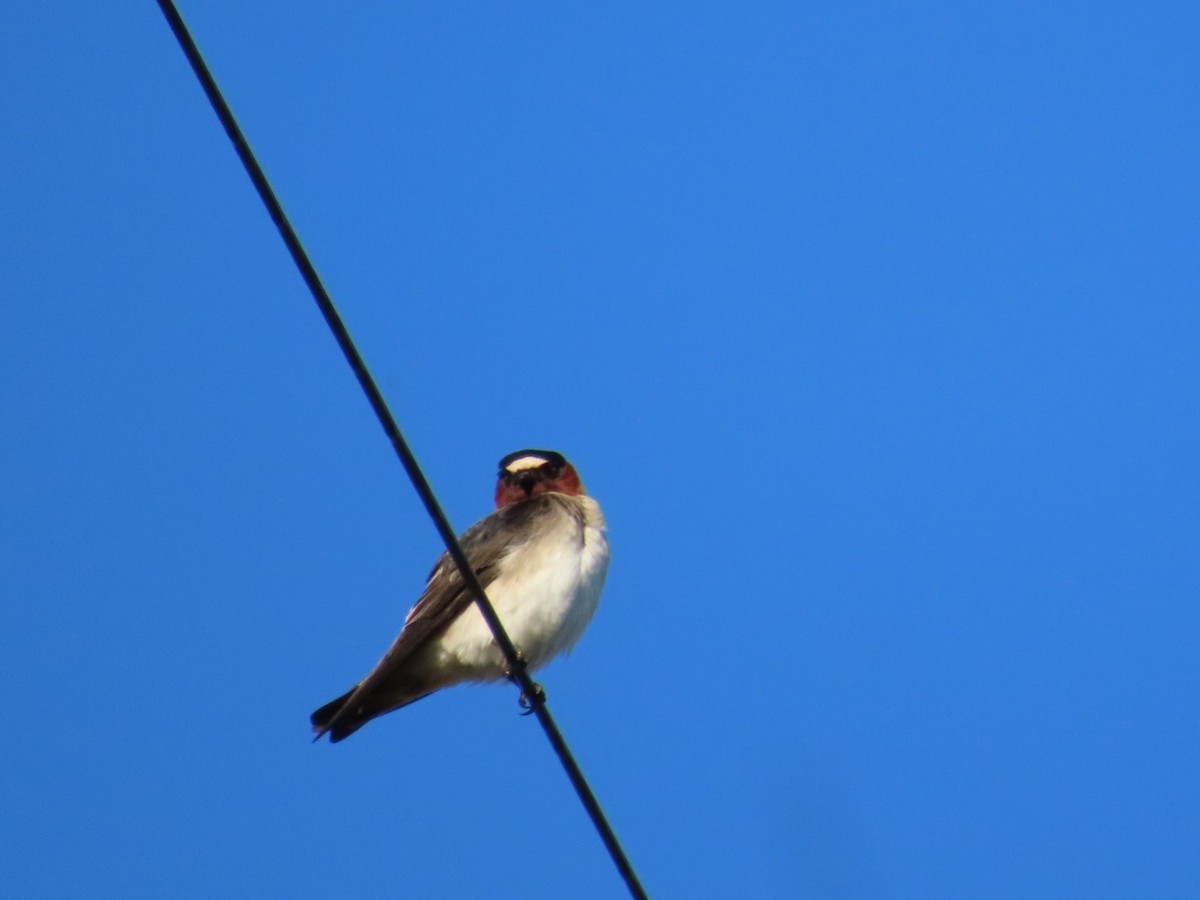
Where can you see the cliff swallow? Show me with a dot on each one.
(541, 556)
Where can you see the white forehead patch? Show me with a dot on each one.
(525, 462)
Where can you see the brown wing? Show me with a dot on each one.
(390, 684)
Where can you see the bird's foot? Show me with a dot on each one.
(527, 702)
(530, 705)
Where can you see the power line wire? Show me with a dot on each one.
(516, 664)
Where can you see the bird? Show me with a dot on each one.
(542, 557)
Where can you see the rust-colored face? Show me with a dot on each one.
(528, 473)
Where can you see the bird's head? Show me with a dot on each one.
(527, 473)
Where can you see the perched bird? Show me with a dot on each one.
(541, 556)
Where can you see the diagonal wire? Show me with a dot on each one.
(515, 663)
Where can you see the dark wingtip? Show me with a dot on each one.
(339, 723)
(323, 720)
(340, 734)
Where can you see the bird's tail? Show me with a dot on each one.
(340, 718)
(324, 718)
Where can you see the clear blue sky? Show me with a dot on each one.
(874, 328)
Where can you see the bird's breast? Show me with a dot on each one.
(545, 594)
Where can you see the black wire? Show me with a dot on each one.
(515, 663)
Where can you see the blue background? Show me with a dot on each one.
(873, 327)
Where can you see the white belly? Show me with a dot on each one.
(545, 597)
